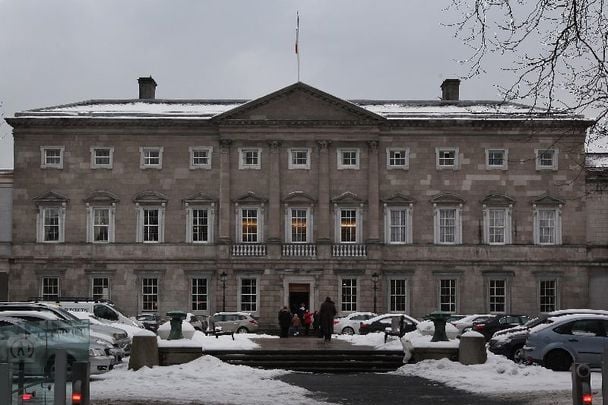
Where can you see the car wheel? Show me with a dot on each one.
(517, 355)
(348, 331)
(242, 329)
(558, 360)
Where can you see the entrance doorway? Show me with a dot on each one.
(298, 293)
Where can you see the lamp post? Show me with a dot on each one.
(223, 279)
(375, 278)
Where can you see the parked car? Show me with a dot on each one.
(150, 321)
(498, 322)
(349, 324)
(510, 342)
(561, 340)
(467, 321)
(381, 322)
(102, 309)
(239, 322)
(199, 322)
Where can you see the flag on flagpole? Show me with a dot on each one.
(297, 29)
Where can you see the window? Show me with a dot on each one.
(349, 294)
(398, 225)
(51, 157)
(497, 225)
(547, 295)
(199, 297)
(50, 288)
(447, 158)
(497, 295)
(249, 294)
(397, 295)
(348, 226)
(397, 158)
(199, 225)
(348, 159)
(447, 295)
(546, 159)
(200, 157)
(51, 224)
(151, 157)
(249, 225)
(298, 225)
(448, 227)
(101, 225)
(151, 227)
(299, 158)
(101, 157)
(496, 159)
(547, 226)
(149, 294)
(250, 158)
(100, 288)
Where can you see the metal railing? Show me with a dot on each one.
(299, 249)
(249, 249)
(349, 250)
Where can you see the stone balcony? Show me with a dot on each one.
(349, 250)
(249, 249)
(299, 249)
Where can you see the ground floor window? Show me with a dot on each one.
(50, 288)
(497, 295)
(249, 294)
(199, 294)
(100, 287)
(447, 295)
(349, 294)
(548, 295)
(398, 295)
(149, 294)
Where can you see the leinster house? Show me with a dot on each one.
(463, 206)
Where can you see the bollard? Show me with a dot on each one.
(581, 384)
(6, 384)
(61, 368)
(439, 320)
(80, 383)
(176, 324)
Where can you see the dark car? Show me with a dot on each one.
(151, 321)
(381, 322)
(509, 342)
(499, 322)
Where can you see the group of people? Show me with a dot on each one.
(301, 321)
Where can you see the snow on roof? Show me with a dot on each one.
(596, 160)
(205, 109)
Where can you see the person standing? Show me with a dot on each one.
(326, 315)
(284, 321)
(307, 322)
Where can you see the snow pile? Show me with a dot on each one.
(374, 340)
(204, 380)
(428, 328)
(497, 375)
(242, 341)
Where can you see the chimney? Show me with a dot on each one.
(450, 89)
(147, 88)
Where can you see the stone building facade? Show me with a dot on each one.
(201, 205)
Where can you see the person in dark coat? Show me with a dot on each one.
(284, 321)
(326, 317)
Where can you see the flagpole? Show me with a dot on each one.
(297, 41)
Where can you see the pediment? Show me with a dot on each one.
(199, 198)
(447, 198)
(102, 197)
(347, 198)
(51, 198)
(250, 198)
(299, 102)
(398, 199)
(299, 197)
(498, 200)
(547, 200)
(150, 197)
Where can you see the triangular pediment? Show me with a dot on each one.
(547, 200)
(102, 197)
(498, 200)
(347, 198)
(299, 102)
(199, 198)
(50, 198)
(398, 199)
(447, 198)
(298, 197)
(250, 198)
(150, 197)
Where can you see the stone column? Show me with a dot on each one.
(225, 210)
(322, 215)
(373, 194)
(274, 187)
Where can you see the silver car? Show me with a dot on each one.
(238, 322)
(556, 344)
(349, 324)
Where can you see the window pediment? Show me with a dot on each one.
(150, 197)
(102, 198)
(398, 199)
(51, 198)
(199, 198)
(498, 200)
(299, 197)
(447, 199)
(250, 198)
(347, 198)
(548, 200)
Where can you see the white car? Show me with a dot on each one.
(349, 324)
(467, 321)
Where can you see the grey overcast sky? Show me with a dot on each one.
(61, 51)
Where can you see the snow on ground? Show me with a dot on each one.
(204, 380)
(376, 340)
(242, 341)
